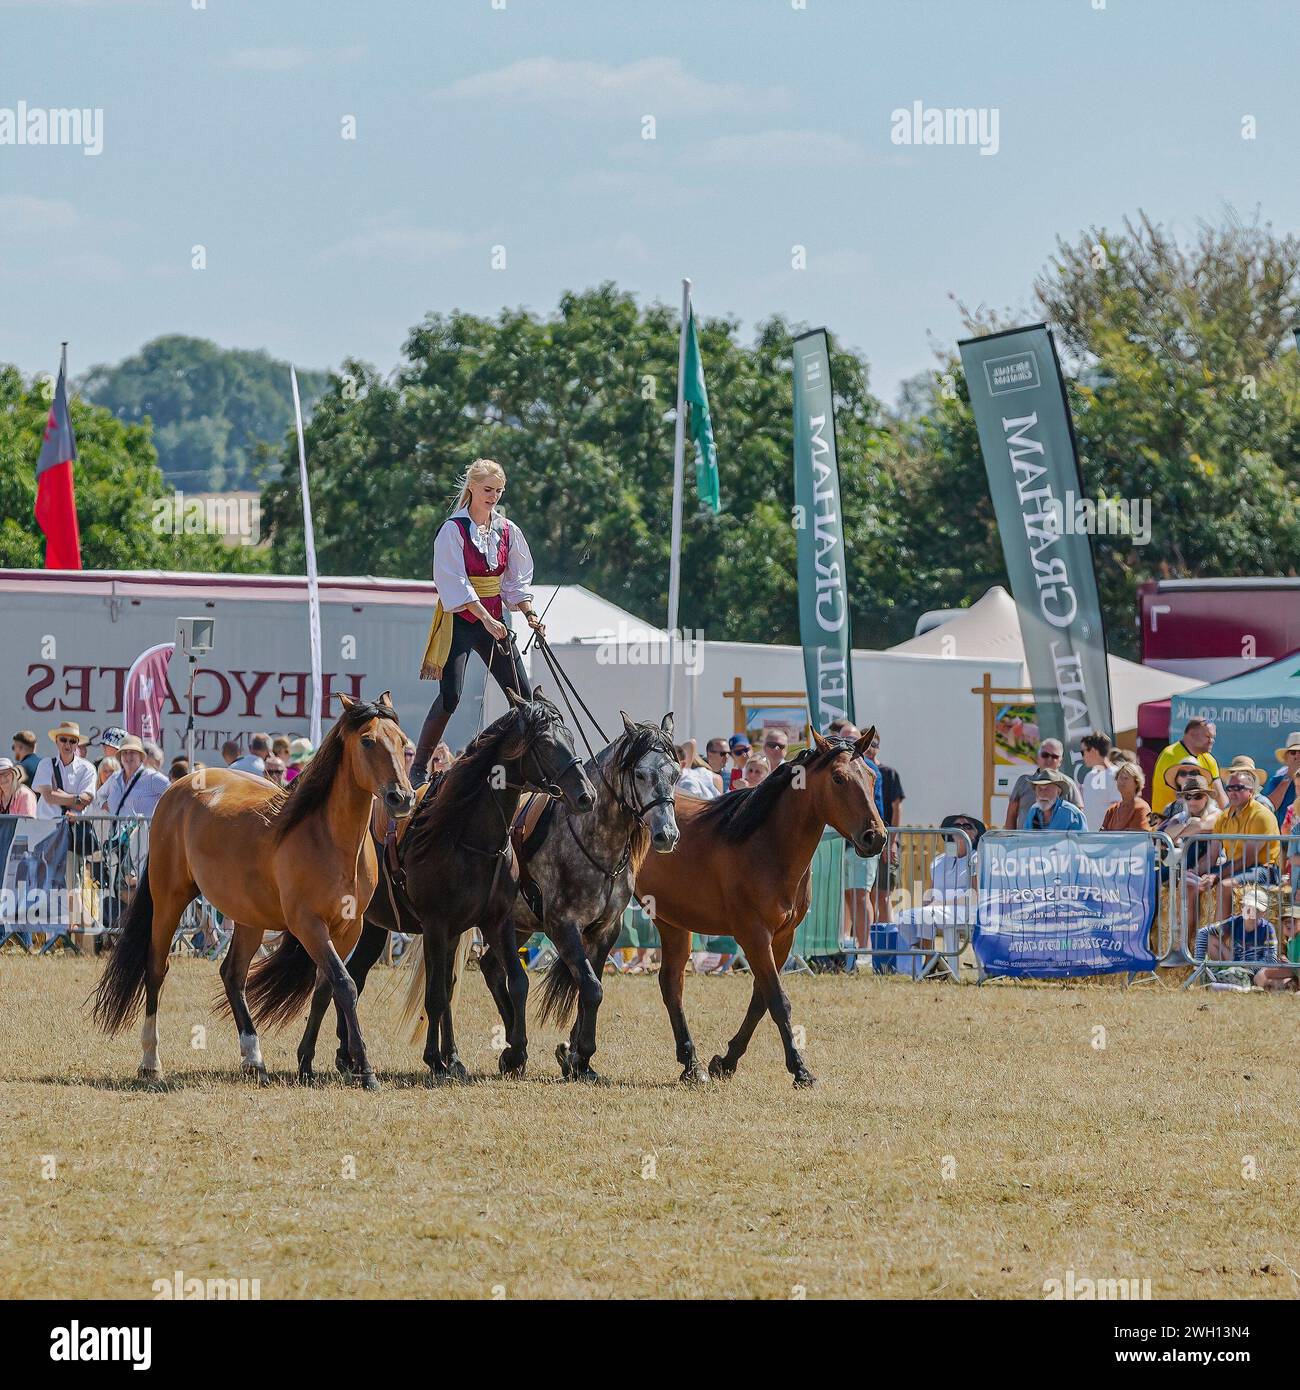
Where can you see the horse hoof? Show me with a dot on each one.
(457, 1071)
(695, 1075)
(562, 1057)
(588, 1074)
(804, 1081)
(508, 1064)
(719, 1070)
(153, 1074)
(255, 1073)
(368, 1081)
(343, 1065)
(306, 1077)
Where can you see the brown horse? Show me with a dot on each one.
(744, 865)
(298, 860)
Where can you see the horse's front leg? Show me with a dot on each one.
(314, 934)
(675, 951)
(501, 943)
(244, 942)
(368, 950)
(575, 1059)
(437, 1003)
(451, 1058)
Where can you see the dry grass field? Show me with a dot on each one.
(963, 1143)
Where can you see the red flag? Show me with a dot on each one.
(56, 503)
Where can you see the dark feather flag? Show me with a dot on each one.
(56, 502)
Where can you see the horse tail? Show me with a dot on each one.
(280, 984)
(412, 1010)
(411, 1014)
(120, 991)
(559, 993)
(458, 962)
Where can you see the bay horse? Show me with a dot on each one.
(743, 866)
(297, 860)
(454, 862)
(576, 880)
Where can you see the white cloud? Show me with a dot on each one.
(778, 149)
(648, 86)
(20, 212)
(388, 239)
(291, 59)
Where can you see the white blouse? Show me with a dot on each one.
(454, 588)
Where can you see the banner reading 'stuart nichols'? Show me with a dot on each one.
(823, 571)
(1018, 399)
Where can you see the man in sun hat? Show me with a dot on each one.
(1243, 862)
(1281, 786)
(65, 781)
(1243, 763)
(1051, 810)
(1051, 754)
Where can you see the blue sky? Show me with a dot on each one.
(521, 127)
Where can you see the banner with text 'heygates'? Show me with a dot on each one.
(1017, 396)
(1054, 903)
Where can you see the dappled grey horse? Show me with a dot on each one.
(575, 880)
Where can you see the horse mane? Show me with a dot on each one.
(624, 753)
(735, 816)
(442, 813)
(309, 791)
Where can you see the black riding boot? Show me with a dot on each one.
(430, 735)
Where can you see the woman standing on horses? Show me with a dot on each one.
(481, 562)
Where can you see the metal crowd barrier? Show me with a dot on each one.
(1211, 875)
(918, 917)
(72, 878)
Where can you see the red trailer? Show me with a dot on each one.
(1210, 629)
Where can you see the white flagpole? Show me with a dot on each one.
(679, 442)
(313, 583)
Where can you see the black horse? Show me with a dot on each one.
(454, 867)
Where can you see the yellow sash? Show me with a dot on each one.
(438, 647)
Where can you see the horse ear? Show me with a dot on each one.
(387, 698)
(346, 700)
(514, 699)
(667, 725)
(537, 693)
(865, 742)
(818, 741)
(627, 723)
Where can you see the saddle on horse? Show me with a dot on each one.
(529, 829)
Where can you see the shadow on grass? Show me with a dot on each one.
(421, 1080)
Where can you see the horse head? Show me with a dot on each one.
(847, 791)
(373, 745)
(649, 763)
(543, 749)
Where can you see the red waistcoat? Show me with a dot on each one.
(476, 563)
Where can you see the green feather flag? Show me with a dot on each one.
(696, 395)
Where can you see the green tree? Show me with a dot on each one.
(211, 407)
(1184, 387)
(117, 482)
(579, 409)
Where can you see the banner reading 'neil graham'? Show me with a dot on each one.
(1018, 399)
(823, 571)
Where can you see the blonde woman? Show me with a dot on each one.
(1130, 812)
(482, 566)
